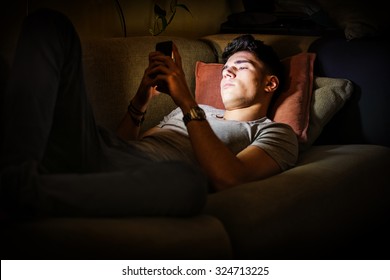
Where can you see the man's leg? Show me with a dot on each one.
(153, 189)
(50, 122)
(47, 116)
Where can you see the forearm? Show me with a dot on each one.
(127, 130)
(129, 127)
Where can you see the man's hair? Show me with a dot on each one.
(263, 52)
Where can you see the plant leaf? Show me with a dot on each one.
(171, 18)
(159, 11)
(173, 5)
(164, 23)
(184, 7)
(159, 29)
(160, 21)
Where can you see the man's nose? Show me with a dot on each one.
(230, 72)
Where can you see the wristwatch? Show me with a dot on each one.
(195, 113)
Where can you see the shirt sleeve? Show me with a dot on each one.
(280, 142)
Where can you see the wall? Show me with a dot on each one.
(100, 18)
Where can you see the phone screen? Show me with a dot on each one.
(165, 47)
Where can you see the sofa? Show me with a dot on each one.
(333, 204)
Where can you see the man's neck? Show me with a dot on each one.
(252, 113)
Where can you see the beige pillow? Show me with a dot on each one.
(329, 96)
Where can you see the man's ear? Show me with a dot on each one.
(271, 84)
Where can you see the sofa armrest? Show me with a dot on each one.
(200, 237)
(334, 197)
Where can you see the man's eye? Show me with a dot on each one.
(242, 67)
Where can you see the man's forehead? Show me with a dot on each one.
(244, 56)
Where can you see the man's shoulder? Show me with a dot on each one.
(277, 127)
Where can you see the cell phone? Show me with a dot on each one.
(166, 48)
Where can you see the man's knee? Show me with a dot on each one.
(48, 24)
(47, 17)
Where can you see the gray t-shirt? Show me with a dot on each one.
(172, 143)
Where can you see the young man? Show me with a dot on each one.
(56, 161)
(242, 144)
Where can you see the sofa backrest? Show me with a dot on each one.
(114, 67)
(365, 62)
(284, 45)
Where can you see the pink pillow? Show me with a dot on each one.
(292, 106)
(207, 84)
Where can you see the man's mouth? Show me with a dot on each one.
(226, 85)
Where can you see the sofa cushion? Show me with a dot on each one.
(329, 96)
(207, 84)
(293, 104)
(291, 107)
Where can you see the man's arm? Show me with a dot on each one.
(223, 167)
(130, 125)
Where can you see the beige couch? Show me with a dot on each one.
(331, 205)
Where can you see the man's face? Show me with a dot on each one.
(242, 80)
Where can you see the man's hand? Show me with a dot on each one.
(169, 70)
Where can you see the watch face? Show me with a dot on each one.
(196, 113)
(199, 113)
